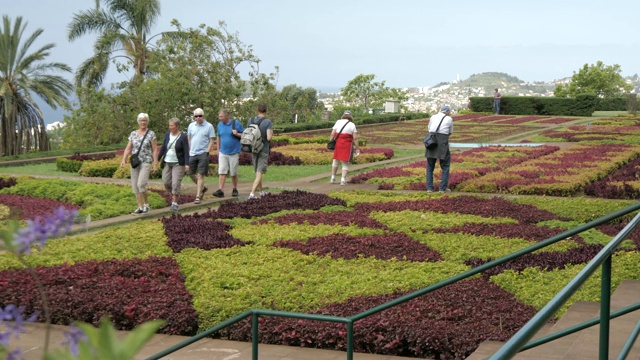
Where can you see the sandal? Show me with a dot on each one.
(197, 200)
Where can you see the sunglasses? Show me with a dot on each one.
(197, 115)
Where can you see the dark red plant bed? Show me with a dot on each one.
(28, 208)
(448, 323)
(382, 247)
(129, 292)
(197, 231)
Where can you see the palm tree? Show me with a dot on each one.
(23, 74)
(123, 27)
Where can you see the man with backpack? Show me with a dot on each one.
(260, 159)
(229, 134)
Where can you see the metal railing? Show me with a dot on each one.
(510, 348)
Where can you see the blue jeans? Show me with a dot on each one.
(444, 165)
(496, 105)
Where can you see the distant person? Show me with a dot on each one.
(496, 101)
(175, 160)
(260, 160)
(443, 123)
(201, 136)
(346, 145)
(143, 143)
(229, 134)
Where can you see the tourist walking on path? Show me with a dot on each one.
(143, 147)
(496, 101)
(201, 135)
(260, 160)
(228, 145)
(442, 125)
(345, 133)
(175, 160)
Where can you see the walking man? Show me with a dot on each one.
(201, 137)
(261, 159)
(441, 124)
(228, 145)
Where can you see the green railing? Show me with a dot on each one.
(349, 321)
(602, 259)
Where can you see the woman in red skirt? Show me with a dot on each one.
(346, 146)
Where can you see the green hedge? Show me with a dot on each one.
(581, 105)
(359, 120)
(64, 164)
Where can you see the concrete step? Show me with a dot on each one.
(585, 344)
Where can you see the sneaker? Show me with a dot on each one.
(429, 190)
(252, 196)
(219, 193)
(262, 193)
(197, 200)
(174, 207)
(234, 192)
(333, 180)
(446, 190)
(138, 211)
(343, 182)
(146, 209)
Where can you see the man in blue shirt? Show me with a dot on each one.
(229, 134)
(201, 137)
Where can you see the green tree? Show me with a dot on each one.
(22, 75)
(123, 28)
(364, 93)
(599, 79)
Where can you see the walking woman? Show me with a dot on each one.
(175, 160)
(344, 131)
(143, 147)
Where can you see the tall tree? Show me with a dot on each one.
(365, 93)
(599, 79)
(22, 75)
(123, 28)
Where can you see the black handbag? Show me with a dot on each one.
(135, 159)
(431, 140)
(331, 145)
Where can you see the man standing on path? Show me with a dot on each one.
(201, 137)
(261, 159)
(443, 123)
(496, 101)
(229, 134)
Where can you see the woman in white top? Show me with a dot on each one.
(346, 145)
(175, 160)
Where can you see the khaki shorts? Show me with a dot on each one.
(260, 162)
(228, 164)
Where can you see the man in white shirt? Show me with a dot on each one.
(201, 137)
(442, 125)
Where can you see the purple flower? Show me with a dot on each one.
(11, 317)
(73, 339)
(15, 355)
(40, 229)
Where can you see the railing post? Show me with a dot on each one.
(350, 340)
(605, 308)
(254, 336)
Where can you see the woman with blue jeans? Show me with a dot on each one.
(442, 125)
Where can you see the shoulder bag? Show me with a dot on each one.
(431, 141)
(135, 159)
(332, 143)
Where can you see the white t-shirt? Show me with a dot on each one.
(445, 128)
(349, 129)
(171, 156)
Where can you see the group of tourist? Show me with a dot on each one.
(188, 153)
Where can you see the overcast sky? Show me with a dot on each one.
(407, 43)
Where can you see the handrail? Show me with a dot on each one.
(517, 341)
(626, 349)
(349, 321)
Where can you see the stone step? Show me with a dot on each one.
(584, 344)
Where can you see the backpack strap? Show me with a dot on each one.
(264, 138)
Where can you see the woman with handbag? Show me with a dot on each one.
(175, 160)
(143, 147)
(344, 133)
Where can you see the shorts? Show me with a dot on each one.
(228, 164)
(260, 162)
(199, 164)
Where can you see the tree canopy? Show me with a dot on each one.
(364, 93)
(22, 75)
(599, 79)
